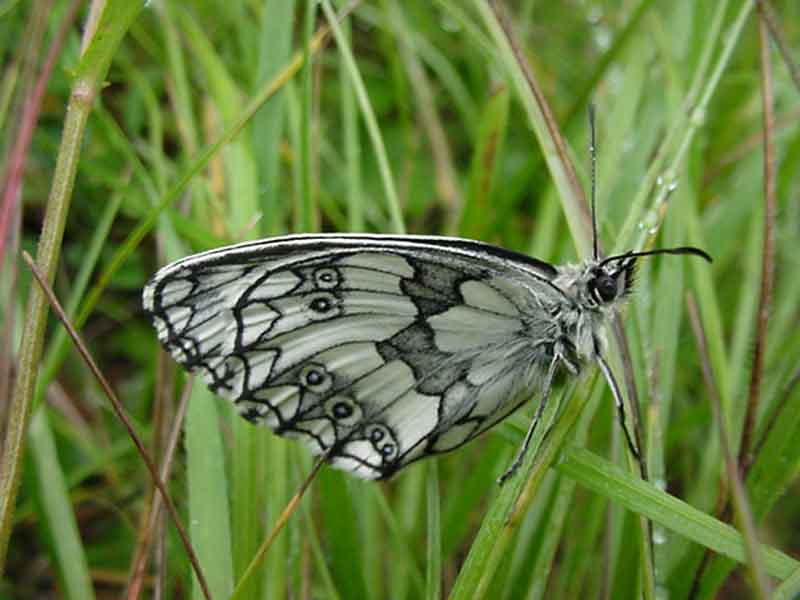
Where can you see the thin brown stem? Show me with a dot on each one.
(738, 495)
(776, 413)
(119, 410)
(767, 252)
(776, 31)
(139, 563)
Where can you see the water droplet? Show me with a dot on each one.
(628, 144)
(602, 37)
(659, 181)
(650, 221)
(615, 79)
(698, 116)
(659, 536)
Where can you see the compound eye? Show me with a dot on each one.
(604, 288)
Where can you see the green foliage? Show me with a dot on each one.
(414, 116)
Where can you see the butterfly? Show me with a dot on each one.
(379, 350)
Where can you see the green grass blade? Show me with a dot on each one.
(352, 146)
(209, 509)
(306, 218)
(476, 219)
(613, 482)
(342, 542)
(433, 562)
(53, 495)
(268, 124)
(368, 114)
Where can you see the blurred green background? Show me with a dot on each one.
(414, 117)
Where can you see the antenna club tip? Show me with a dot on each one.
(701, 253)
(694, 251)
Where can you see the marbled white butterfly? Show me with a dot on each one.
(379, 350)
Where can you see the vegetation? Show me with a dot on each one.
(172, 127)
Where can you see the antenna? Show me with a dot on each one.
(691, 250)
(593, 155)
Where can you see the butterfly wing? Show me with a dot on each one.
(382, 349)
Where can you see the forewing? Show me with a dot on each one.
(382, 348)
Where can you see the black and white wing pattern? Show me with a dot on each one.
(379, 349)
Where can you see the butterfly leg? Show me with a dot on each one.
(548, 385)
(615, 391)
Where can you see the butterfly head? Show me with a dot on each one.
(607, 283)
(611, 278)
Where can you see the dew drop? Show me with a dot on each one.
(659, 536)
(602, 37)
(650, 220)
(698, 116)
(628, 144)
